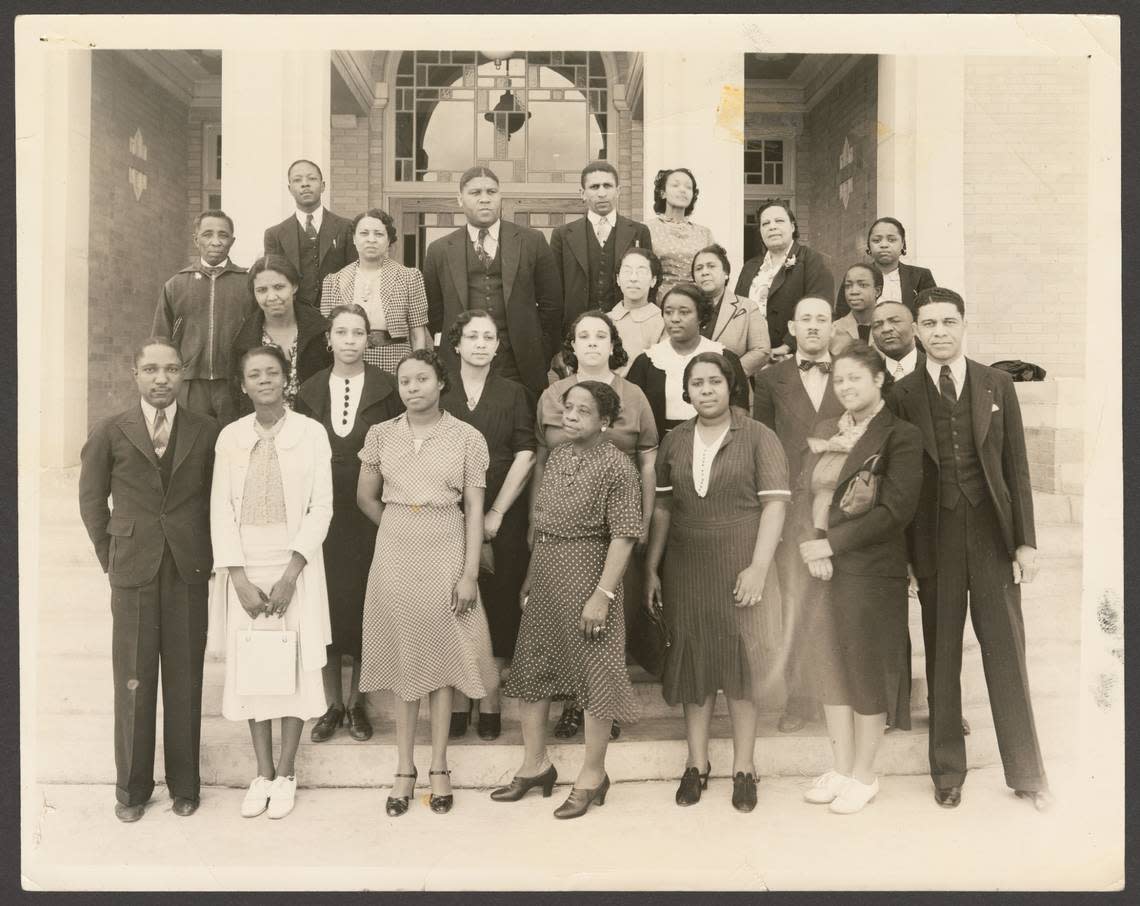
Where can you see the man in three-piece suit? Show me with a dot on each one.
(315, 240)
(155, 461)
(587, 252)
(892, 330)
(503, 268)
(791, 397)
(971, 544)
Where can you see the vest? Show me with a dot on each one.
(602, 275)
(310, 289)
(485, 290)
(959, 468)
(166, 460)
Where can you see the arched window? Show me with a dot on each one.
(537, 117)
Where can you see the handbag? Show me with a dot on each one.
(862, 490)
(649, 640)
(266, 660)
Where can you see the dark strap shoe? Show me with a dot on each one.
(359, 726)
(569, 723)
(327, 724)
(692, 782)
(398, 805)
(519, 786)
(441, 805)
(743, 792)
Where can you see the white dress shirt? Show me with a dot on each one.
(815, 381)
(344, 400)
(318, 217)
(892, 287)
(957, 372)
(491, 243)
(595, 219)
(900, 368)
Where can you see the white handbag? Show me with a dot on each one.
(266, 660)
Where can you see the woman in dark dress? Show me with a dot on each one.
(722, 490)
(348, 399)
(571, 645)
(298, 330)
(857, 556)
(501, 410)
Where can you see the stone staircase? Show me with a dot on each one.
(74, 687)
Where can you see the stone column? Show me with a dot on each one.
(694, 118)
(54, 170)
(275, 109)
(920, 159)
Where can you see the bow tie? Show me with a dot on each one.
(213, 271)
(825, 367)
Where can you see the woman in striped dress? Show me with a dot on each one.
(722, 488)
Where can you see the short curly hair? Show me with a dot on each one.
(606, 398)
(865, 355)
(428, 357)
(659, 189)
(465, 317)
(692, 291)
(383, 216)
(715, 249)
(777, 203)
(618, 355)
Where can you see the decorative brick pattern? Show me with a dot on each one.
(134, 245)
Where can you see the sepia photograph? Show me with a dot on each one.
(678, 453)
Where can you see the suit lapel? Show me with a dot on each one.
(797, 395)
(778, 280)
(866, 446)
(509, 254)
(188, 429)
(457, 259)
(291, 242)
(981, 400)
(726, 317)
(914, 386)
(906, 283)
(624, 235)
(578, 240)
(133, 426)
(375, 389)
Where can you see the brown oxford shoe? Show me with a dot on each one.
(129, 814)
(951, 797)
(184, 807)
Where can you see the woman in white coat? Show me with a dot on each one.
(270, 508)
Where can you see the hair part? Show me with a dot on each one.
(893, 222)
(600, 166)
(349, 308)
(618, 355)
(659, 203)
(605, 398)
(213, 212)
(777, 203)
(142, 347)
(708, 358)
(655, 268)
(939, 294)
(715, 249)
(693, 292)
(428, 357)
(474, 173)
(465, 317)
(830, 305)
(279, 265)
(865, 355)
(304, 160)
(270, 350)
(383, 216)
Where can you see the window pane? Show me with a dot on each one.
(557, 139)
(773, 150)
(448, 136)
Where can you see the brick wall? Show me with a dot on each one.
(349, 168)
(632, 196)
(1026, 183)
(135, 245)
(847, 113)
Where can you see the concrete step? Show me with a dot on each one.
(650, 750)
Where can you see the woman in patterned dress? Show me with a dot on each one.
(347, 399)
(676, 238)
(593, 351)
(571, 645)
(298, 330)
(270, 506)
(391, 294)
(722, 489)
(502, 412)
(424, 627)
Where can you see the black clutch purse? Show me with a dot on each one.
(649, 640)
(862, 490)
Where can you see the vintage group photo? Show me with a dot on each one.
(679, 425)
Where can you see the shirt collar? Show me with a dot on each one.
(957, 371)
(908, 361)
(595, 219)
(149, 413)
(223, 265)
(639, 314)
(318, 217)
(492, 231)
(893, 276)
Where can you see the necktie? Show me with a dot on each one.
(899, 370)
(161, 436)
(602, 231)
(481, 249)
(824, 367)
(946, 385)
(310, 230)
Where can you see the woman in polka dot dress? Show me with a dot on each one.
(424, 627)
(571, 644)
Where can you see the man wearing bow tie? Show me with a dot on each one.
(972, 544)
(200, 309)
(154, 461)
(791, 396)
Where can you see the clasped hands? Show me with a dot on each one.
(817, 555)
(256, 602)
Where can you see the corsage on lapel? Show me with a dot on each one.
(789, 262)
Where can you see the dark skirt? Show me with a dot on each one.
(348, 551)
(500, 590)
(858, 644)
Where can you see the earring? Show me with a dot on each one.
(603, 429)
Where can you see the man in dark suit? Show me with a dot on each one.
(971, 540)
(315, 240)
(791, 397)
(155, 461)
(503, 268)
(892, 330)
(588, 252)
(886, 244)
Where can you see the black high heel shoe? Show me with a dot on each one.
(744, 792)
(441, 805)
(692, 782)
(398, 805)
(579, 800)
(519, 786)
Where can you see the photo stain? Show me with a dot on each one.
(1108, 614)
(730, 112)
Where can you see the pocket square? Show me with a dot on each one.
(994, 408)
